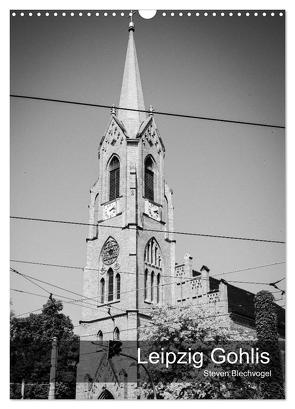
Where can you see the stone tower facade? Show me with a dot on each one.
(130, 250)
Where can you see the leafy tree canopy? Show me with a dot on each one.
(30, 348)
(197, 328)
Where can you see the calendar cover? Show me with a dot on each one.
(147, 204)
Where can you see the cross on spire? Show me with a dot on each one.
(131, 24)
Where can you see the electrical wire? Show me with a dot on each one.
(253, 282)
(62, 298)
(73, 301)
(37, 285)
(124, 292)
(143, 289)
(204, 118)
(249, 268)
(149, 230)
(66, 266)
(134, 290)
(64, 289)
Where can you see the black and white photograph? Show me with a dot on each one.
(147, 204)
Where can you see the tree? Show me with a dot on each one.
(30, 349)
(199, 329)
(267, 334)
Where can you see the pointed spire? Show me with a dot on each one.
(131, 91)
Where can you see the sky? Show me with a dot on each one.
(227, 179)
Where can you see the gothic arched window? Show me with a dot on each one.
(152, 286)
(110, 285)
(152, 249)
(158, 287)
(114, 178)
(146, 284)
(100, 336)
(116, 334)
(147, 253)
(152, 253)
(118, 286)
(152, 274)
(102, 286)
(149, 172)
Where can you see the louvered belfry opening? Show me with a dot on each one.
(149, 179)
(114, 178)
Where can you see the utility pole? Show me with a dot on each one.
(23, 389)
(51, 393)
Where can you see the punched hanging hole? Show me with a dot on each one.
(147, 13)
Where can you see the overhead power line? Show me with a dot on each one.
(249, 268)
(71, 267)
(73, 301)
(178, 115)
(49, 292)
(32, 282)
(28, 312)
(63, 289)
(63, 298)
(254, 282)
(217, 236)
(81, 302)
(137, 290)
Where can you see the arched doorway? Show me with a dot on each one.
(106, 394)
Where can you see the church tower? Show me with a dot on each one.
(130, 247)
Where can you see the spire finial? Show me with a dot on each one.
(113, 110)
(131, 24)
